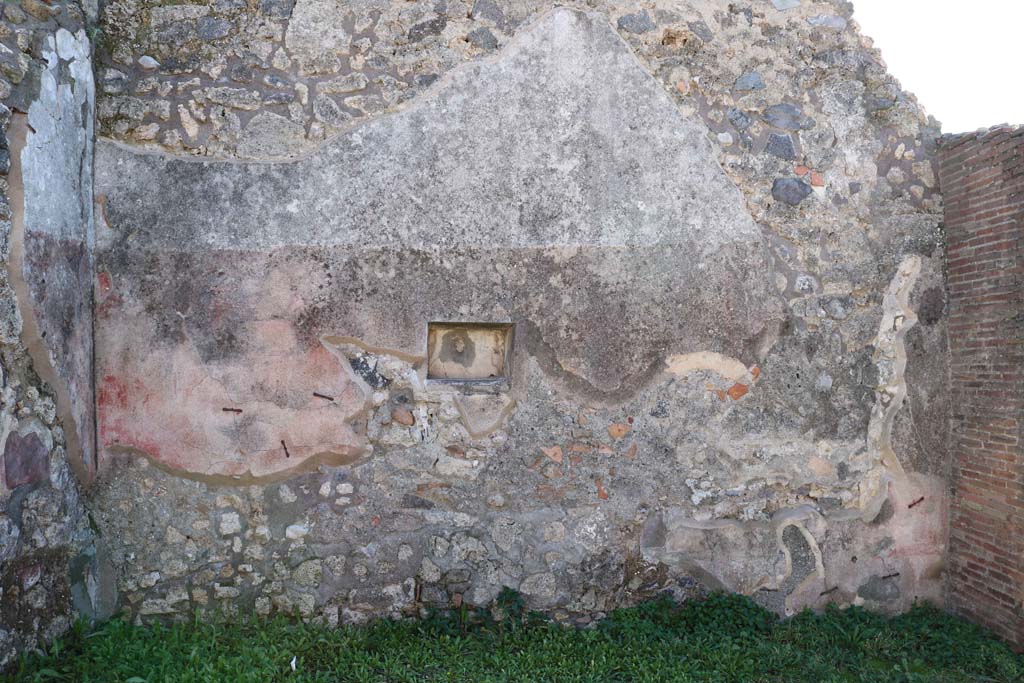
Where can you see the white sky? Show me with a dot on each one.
(963, 60)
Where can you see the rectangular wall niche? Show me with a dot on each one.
(476, 353)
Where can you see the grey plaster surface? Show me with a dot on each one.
(562, 139)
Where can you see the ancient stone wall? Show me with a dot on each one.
(50, 566)
(982, 179)
(706, 235)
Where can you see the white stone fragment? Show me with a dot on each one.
(296, 531)
(229, 523)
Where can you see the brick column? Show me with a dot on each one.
(982, 179)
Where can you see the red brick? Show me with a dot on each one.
(982, 181)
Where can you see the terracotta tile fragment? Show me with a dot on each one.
(554, 453)
(618, 430)
(403, 417)
(737, 391)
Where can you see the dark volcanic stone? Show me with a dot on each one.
(482, 38)
(176, 33)
(880, 104)
(242, 73)
(737, 118)
(413, 502)
(281, 9)
(368, 372)
(424, 29)
(790, 190)
(638, 22)
(488, 9)
(212, 28)
(786, 116)
(749, 81)
(276, 81)
(781, 146)
(26, 460)
(701, 30)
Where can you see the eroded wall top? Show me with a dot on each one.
(268, 79)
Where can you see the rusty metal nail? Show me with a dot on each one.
(286, 454)
(326, 398)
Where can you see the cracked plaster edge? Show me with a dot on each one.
(354, 456)
(31, 335)
(897, 319)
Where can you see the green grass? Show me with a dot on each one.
(725, 638)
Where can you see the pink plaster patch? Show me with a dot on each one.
(250, 416)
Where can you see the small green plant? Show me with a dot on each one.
(722, 639)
